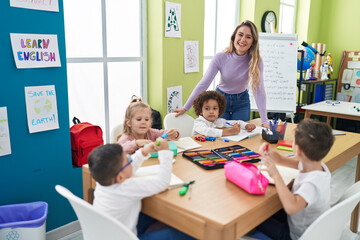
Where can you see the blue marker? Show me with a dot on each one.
(164, 136)
(228, 123)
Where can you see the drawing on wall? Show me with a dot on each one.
(5, 147)
(174, 98)
(45, 5)
(355, 78)
(347, 76)
(172, 20)
(35, 50)
(191, 56)
(356, 95)
(41, 108)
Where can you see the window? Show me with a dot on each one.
(106, 58)
(287, 16)
(221, 18)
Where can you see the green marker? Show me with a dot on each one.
(164, 136)
(185, 187)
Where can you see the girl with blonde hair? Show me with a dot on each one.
(137, 127)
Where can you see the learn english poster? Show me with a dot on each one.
(35, 50)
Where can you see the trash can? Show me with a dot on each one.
(25, 221)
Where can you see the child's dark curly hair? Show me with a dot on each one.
(206, 96)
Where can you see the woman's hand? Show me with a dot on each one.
(179, 111)
(267, 125)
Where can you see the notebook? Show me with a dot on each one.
(244, 134)
(186, 143)
(148, 172)
(287, 174)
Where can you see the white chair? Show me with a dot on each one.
(183, 123)
(94, 224)
(115, 132)
(330, 224)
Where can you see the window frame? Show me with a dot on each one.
(281, 17)
(105, 60)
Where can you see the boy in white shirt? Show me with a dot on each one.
(209, 105)
(120, 196)
(310, 193)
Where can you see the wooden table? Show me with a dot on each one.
(218, 209)
(339, 109)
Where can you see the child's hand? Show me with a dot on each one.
(142, 142)
(235, 129)
(270, 166)
(151, 147)
(173, 133)
(249, 127)
(164, 145)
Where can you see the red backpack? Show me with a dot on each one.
(84, 138)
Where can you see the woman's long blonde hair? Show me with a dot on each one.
(135, 104)
(254, 71)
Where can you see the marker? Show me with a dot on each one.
(164, 136)
(185, 187)
(228, 123)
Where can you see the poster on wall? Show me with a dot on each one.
(172, 20)
(5, 147)
(191, 56)
(174, 98)
(41, 108)
(45, 5)
(35, 50)
(355, 82)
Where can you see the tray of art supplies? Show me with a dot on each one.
(217, 158)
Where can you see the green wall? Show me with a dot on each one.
(166, 55)
(332, 22)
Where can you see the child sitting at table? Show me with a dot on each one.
(209, 105)
(137, 127)
(120, 195)
(310, 193)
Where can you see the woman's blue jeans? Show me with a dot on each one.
(237, 106)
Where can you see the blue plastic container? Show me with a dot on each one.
(23, 221)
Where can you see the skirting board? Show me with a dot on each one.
(63, 231)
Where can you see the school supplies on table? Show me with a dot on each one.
(285, 148)
(286, 173)
(149, 172)
(246, 176)
(186, 143)
(243, 134)
(286, 143)
(217, 158)
(185, 187)
(172, 147)
(276, 132)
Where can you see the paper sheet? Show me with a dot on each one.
(287, 174)
(186, 143)
(244, 134)
(152, 171)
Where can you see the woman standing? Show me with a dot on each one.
(240, 66)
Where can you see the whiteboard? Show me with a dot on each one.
(279, 55)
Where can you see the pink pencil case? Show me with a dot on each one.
(246, 176)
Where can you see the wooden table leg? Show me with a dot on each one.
(87, 190)
(307, 114)
(355, 214)
(328, 120)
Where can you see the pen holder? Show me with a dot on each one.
(280, 131)
(276, 135)
(271, 138)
